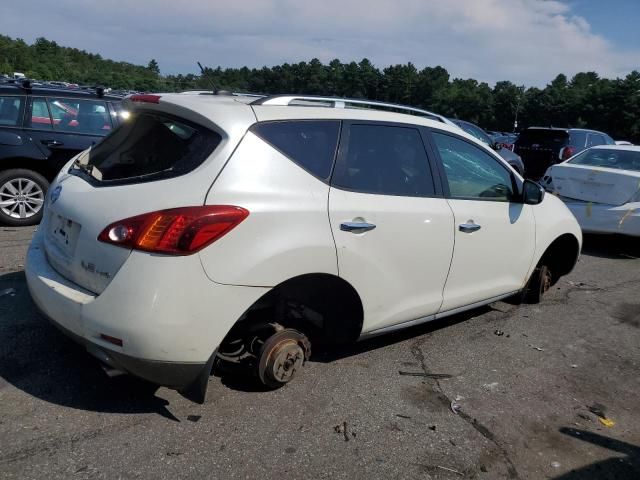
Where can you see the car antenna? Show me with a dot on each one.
(205, 75)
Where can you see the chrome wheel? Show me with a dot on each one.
(21, 198)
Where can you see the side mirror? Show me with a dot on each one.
(497, 146)
(532, 193)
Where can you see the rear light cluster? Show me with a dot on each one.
(567, 153)
(177, 231)
(145, 98)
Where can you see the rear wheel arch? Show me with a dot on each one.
(324, 306)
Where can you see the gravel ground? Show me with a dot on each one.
(499, 392)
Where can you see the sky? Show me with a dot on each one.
(525, 41)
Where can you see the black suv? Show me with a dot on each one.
(41, 128)
(541, 147)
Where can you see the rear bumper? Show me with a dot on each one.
(168, 314)
(600, 218)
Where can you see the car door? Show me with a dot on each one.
(63, 127)
(392, 228)
(494, 231)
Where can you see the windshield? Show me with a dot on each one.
(149, 144)
(609, 158)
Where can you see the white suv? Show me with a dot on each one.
(230, 229)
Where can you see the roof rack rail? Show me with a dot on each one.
(338, 102)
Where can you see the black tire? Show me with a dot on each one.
(28, 203)
(282, 356)
(539, 284)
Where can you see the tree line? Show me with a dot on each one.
(585, 100)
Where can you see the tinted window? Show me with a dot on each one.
(80, 116)
(151, 145)
(39, 117)
(10, 108)
(471, 172)
(609, 158)
(595, 139)
(475, 132)
(309, 143)
(386, 161)
(578, 139)
(543, 137)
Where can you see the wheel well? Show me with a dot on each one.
(325, 307)
(41, 166)
(561, 256)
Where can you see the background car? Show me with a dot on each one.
(601, 186)
(541, 147)
(41, 128)
(513, 159)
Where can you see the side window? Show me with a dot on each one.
(309, 143)
(609, 140)
(10, 108)
(385, 160)
(595, 139)
(80, 116)
(578, 139)
(472, 173)
(40, 118)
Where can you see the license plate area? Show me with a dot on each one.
(64, 233)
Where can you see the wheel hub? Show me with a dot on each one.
(21, 198)
(285, 361)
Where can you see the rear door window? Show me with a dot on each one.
(472, 173)
(595, 139)
(39, 117)
(311, 144)
(75, 115)
(385, 160)
(150, 146)
(579, 139)
(10, 110)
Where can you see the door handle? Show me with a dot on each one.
(52, 143)
(469, 227)
(356, 227)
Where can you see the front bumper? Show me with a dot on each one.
(601, 218)
(169, 315)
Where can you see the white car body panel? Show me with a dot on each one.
(287, 232)
(494, 260)
(594, 184)
(144, 314)
(603, 200)
(399, 268)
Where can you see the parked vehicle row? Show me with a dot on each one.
(513, 159)
(40, 130)
(244, 231)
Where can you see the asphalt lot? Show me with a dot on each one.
(471, 402)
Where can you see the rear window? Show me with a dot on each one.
(609, 158)
(309, 143)
(150, 146)
(543, 138)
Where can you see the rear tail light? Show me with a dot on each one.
(145, 98)
(567, 153)
(177, 231)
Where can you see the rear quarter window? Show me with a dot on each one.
(151, 146)
(311, 144)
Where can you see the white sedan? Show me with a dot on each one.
(601, 186)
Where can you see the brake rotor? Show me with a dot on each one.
(282, 356)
